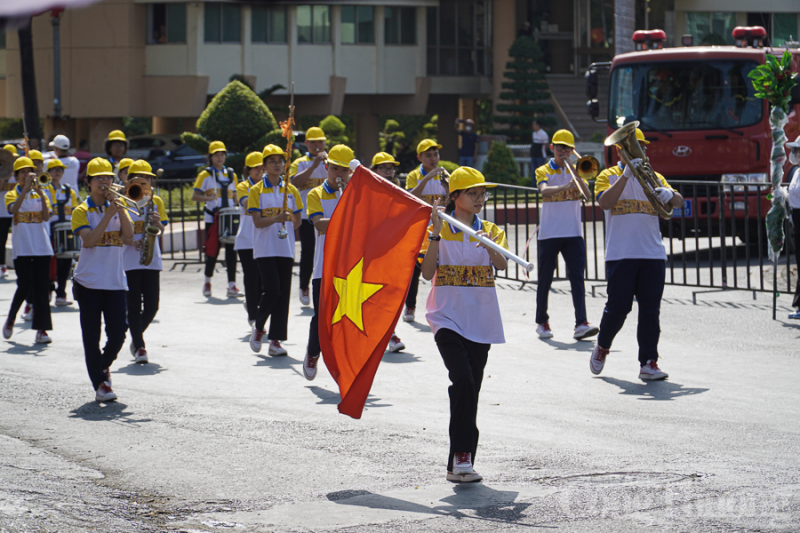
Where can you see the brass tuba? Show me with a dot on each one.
(630, 149)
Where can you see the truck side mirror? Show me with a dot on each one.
(591, 84)
(593, 108)
(795, 96)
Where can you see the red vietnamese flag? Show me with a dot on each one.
(371, 245)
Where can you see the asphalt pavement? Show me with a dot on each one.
(212, 437)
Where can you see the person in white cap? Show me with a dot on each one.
(60, 146)
(793, 177)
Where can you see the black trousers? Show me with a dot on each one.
(413, 287)
(252, 282)
(63, 266)
(313, 328)
(94, 305)
(230, 259)
(5, 227)
(796, 222)
(33, 277)
(143, 295)
(308, 242)
(276, 283)
(573, 250)
(465, 361)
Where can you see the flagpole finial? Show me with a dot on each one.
(354, 164)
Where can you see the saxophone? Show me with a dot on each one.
(149, 239)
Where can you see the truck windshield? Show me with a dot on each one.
(685, 95)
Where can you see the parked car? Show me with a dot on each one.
(149, 147)
(179, 164)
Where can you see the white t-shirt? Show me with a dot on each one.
(244, 236)
(215, 180)
(130, 255)
(794, 189)
(632, 228)
(70, 176)
(100, 268)
(561, 213)
(29, 232)
(10, 184)
(268, 199)
(322, 202)
(433, 190)
(540, 137)
(317, 178)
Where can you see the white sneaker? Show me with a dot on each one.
(104, 393)
(304, 298)
(462, 463)
(8, 330)
(395, 344)
(408, 316)
(141, 356)
(132, 348)
(27, 314)
(207, 290)
(42, 337)
(255, 339)
(62, 302)
(544, 331)
(233, 292)
(464, 478)
(598, 359)
(651, 372)
(276, 349)
(310, 367)
(585, 331)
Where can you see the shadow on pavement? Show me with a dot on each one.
(327, 397)
(400, 357)
(653, 390)
(65, 309)
(220, 301)
(420, 327)
(280, 361)
(17, 348)
(305, 311)
(577, 346)
(96, 411)
(135, 369)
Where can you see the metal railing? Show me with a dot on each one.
(183, 238)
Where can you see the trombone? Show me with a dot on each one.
(587, 167)
(138, 196)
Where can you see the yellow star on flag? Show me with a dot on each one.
(353, 292)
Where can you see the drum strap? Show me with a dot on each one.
(60, 205)
(223, 184)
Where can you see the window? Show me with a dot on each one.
(784, 28)
(401, 25)
(166, 23)
(711, 28)
(358, 25)
(313, 24)
(459, 34)
(223, 23)
(269, 24)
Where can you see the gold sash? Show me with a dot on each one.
(629, 207)
(464, 276)
(28, 217)
(564, 196)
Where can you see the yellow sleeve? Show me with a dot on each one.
(541, 175)
(75, 200)
(495, 231)
(162, 211)
(423, 250)
(298, 200)
(412, 179)
(47, 201)
(664, 181)
(11, 197)
(314, 206)
(198, 183)
(242, 192)
(601, 184)
(254, 197)
(235, 179)
(293, 167)
(79, 220)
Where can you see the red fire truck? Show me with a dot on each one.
(696, 106)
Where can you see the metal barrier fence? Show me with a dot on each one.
(183, 237)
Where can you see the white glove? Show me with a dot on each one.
(664, 195)
(628, 172)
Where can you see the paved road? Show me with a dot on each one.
(211, 437)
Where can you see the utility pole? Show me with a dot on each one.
(30, 104)
(624, 22)
(56, 20)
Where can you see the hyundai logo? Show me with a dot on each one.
(681, 151)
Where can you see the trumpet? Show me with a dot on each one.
(44, 179)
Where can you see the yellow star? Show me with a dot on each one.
(353, 292)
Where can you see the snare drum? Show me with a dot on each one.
(228, 222)
(67, 245)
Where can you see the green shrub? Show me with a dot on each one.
(334, 130)
(449, 166)
(500, 166)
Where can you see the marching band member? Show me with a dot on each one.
(253, 171)
(116, 146)
(307, 173)
(216, 186)
(103, 225)
(462, 308)
(6, 184)
(30, 208)
(635, 262)
(424, 182)
(385, 166)
(60, 145)
(321, 203)
(64, 200)
(560, 231)
(144, 284)
(122, 170)
(274, 256)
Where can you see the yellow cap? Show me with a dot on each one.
(340, 155)
(124, 163)
(22, 162)
(467, 178)
(35, 155)
(117, 135)
(216, 146)
(254, 159)
(564, 137)
(55, 163)
(640, 136)
(272, 149)
(11, 148)
(140, 166)
(426, 145)
(382, 158)
(99, 167)
(315, 134)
